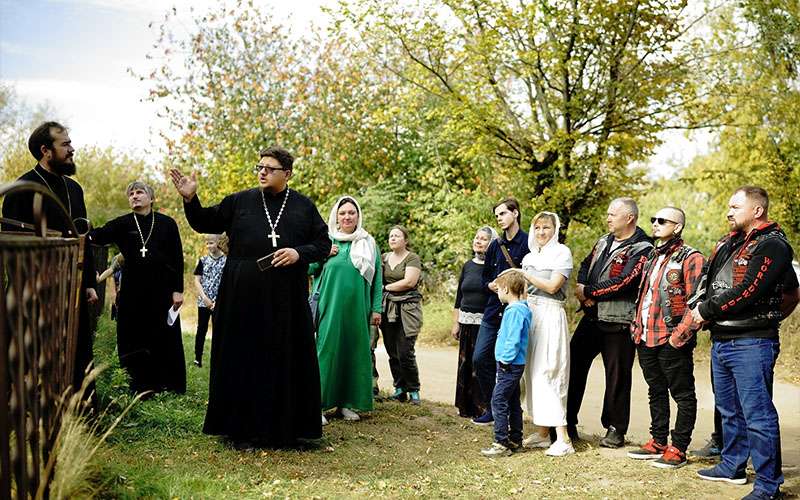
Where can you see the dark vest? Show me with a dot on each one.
(672, 285)
(766, 312)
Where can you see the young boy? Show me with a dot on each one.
(207, 277)
(509, 351)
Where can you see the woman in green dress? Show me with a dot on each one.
(349, 285)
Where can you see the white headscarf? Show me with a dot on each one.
(492, 236)
(362, 249)
(553, 255)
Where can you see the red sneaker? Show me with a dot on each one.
(650, 451)
(673, 458)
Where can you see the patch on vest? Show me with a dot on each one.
(673, 276)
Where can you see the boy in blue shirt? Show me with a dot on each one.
(509, 352)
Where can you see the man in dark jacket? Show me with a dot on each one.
(741, 303)
(607, 283)
(503, 253)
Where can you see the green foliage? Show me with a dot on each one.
(17, 121)
(560, 97)
(753, 93)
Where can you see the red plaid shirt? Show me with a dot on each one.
(658, 332)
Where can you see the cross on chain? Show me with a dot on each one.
(143, 251)
(273, 237)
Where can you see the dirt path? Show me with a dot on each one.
(437, 368)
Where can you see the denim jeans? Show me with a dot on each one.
(483, 361)
(670, 371)
(506, 406)
(743, 375)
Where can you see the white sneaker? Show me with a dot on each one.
(536, 441)
(349, 414)
(559, 449)
(496, 450)
(324, 420)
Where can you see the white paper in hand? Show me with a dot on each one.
(172, 314)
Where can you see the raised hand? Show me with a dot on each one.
(187, 187)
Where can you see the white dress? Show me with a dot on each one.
(546, 377)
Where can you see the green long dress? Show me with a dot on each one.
(346, 304)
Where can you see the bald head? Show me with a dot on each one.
(668, 223)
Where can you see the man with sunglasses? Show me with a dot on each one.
(264, 387)
(607, 282)
(664, 333)
(742, 300)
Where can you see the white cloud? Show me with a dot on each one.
(95, 113)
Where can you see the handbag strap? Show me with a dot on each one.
(505, 254)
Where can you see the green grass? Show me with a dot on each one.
(396, 451)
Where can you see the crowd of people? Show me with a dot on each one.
(278, 360)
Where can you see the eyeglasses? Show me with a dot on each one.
(661, 221)
(270, 170)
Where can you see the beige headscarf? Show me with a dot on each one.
(362, 248)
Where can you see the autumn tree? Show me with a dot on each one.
(565, 94)
(754, 93)
(236, 81)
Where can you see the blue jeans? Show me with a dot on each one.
(506, 406)
(483, 361)
(743, 373)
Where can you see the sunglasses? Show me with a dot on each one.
(661, 221)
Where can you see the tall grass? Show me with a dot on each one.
(77, 444)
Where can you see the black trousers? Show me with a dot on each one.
(670, 371)
(203, 315)
(618, 351)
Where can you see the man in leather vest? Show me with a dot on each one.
(741, 301)
(607, 283)
(664, 333)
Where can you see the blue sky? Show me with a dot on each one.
(75, 55)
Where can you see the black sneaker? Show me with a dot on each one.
(612, 439)
(514, 446)
(399, 395)
(710, 450)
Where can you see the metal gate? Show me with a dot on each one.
(38, 331)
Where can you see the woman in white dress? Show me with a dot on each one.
(546, 379)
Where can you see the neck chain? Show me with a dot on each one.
(143, 250)
(66, 190)
(273, 236)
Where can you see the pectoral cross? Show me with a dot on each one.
(273, 237)
(143, 251)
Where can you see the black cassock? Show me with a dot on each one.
(264, 379)
(149, 349)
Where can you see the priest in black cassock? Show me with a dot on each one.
(52, 149)
(150, 349)
(264, 378)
